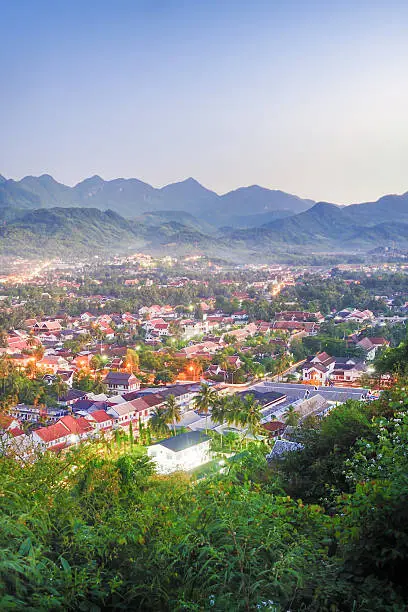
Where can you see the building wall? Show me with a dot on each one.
(168, 461)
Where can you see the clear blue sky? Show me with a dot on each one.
(306, 96)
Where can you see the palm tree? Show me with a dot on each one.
(173, 414)
(250, 416)
(234, 410)
(291, 417)
(206, 397)
(158, 422)
(220, 412)
(60, 387)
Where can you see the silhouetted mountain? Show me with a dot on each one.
(256, 199)
(13, 195)
(131, 197)
(128, 197)
(2, 179)
(187, 195)
(40, 215)
(388, 208)
(48, 191)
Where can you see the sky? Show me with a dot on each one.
(306, 96)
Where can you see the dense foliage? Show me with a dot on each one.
(96, 530)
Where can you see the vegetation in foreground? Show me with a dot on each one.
(92, 531)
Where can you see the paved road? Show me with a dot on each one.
(295, 392)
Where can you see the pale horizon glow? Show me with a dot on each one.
(306, 97)
(306, 197)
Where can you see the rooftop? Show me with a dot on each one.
(183, 441)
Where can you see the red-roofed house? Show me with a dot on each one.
(63, 433)
(100, 420)
(79, 427)
(8, 422)
(53, 435)
(132, 411)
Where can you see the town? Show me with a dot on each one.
(178, 354)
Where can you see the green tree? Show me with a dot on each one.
(250, 416)
(172, 412)
(204, 400)
(291, 416)
(158, 422)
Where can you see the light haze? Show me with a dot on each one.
(308, 97)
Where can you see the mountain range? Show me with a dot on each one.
(39, 215)
(132, 197)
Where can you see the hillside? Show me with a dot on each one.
(325, 226)
(388, 208)
(132, 197)
(79, 231)
(255, 200)
(65, 230)
(156, 218)
(323, 527)
(84, 231)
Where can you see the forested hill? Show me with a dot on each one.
(65, 230)
(329, 226)
(325, 529)
(84, 231)
(79, 231)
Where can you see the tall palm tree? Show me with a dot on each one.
(291, 417)
(173, 414)
(220, 412)
(158, 422)
(250, 416)
(206, 397)
(234, 410)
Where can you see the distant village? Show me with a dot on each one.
(238, 332)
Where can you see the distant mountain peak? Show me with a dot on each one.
(2, 179)
(188, 194)
(324, 206)
(92, 180)
(46, 178)
(188, 182)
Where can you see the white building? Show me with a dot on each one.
(184, 452)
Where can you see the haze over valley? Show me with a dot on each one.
(40, 214)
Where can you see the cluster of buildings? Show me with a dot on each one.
(86, 416)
